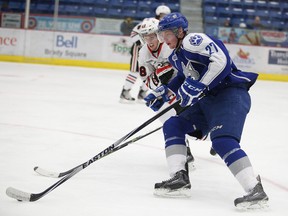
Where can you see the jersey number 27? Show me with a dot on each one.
(211, 48)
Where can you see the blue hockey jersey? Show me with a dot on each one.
(207, 60)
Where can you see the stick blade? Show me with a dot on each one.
(18, 195)
(46, 173)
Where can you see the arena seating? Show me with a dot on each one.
(120, 9)
(273, 14)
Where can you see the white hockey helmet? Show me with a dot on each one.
(148, 26)
(162, 9)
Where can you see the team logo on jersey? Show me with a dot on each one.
(196, 40)
(189, 71)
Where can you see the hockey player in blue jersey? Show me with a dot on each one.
(216, 94)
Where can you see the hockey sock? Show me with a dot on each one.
(247, 179)
(237, 161)
(130, 81)
(176, 158)
(175, 145)
(228, 149)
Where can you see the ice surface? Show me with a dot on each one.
(59, 117)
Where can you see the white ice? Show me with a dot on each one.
(58, 117)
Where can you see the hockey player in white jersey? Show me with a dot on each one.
(130, 80)
(216, 95)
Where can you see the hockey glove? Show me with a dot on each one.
(190, 92)
(165, 73)
(157, 98)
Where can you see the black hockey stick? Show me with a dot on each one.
(31, 197)
(48, 173)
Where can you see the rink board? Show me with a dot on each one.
(110, 51)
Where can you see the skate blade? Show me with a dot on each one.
(262, 204)
(180, 193)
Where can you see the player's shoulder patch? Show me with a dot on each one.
(195, 39)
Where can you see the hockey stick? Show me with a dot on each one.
(47, 173)
(31, 197)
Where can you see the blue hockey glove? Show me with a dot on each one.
(190, 91)
(157, 98)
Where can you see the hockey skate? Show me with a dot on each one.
(141, 95)
(190, 157)
(255, 199)
(190, 160)
(177, 186)
(125, 96)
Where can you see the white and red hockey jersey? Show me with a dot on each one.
(153, 65)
